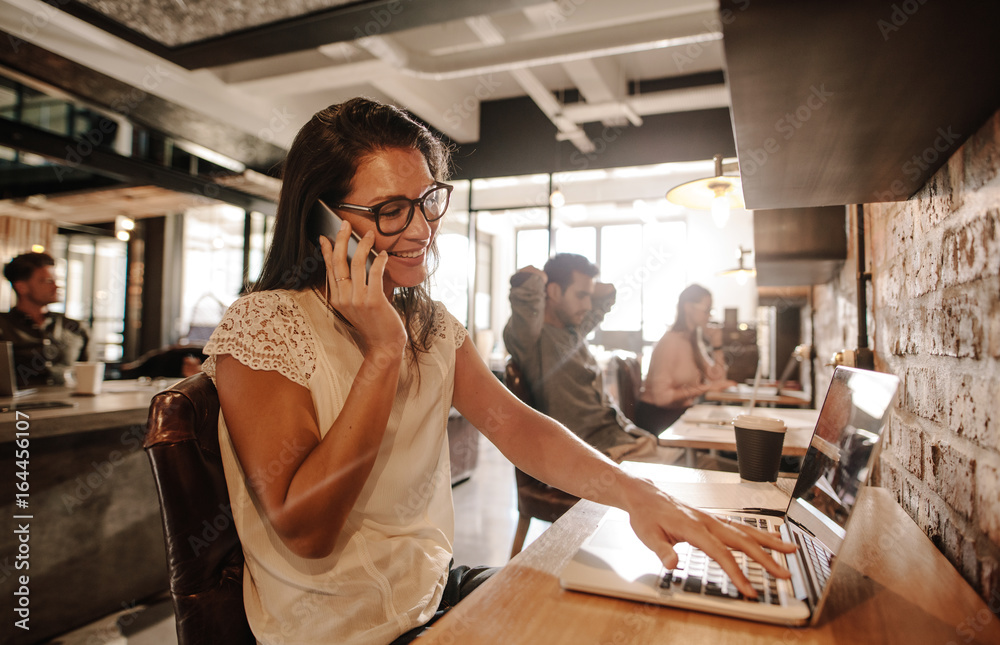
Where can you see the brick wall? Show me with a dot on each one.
(935, 309)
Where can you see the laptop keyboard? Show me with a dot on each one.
(818, 556)
(697, 573)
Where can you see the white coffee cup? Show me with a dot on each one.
(89, 377)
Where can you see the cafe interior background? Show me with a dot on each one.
(139, 143)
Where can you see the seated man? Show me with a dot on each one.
(46, 343)
(552, 313)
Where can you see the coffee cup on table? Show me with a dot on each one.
(758, 447)
(89, 377)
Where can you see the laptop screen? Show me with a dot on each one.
(842, 449)
(8, 384)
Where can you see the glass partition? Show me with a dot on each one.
(91, 274)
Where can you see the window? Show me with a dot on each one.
(213, 267)
(450, 281)
(91, 271)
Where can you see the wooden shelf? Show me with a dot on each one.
(855, 102)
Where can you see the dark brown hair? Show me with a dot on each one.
(321, 163)
(560, 267)
(21, 267)
(692, 294)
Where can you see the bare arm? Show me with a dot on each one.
(715, 372)
(603, 300)
(527, 305)
(545, 449)
(308, 485)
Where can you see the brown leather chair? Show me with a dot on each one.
(204, 555)
(629, 375)
(534, 498)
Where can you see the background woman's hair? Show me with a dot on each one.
(694, 293)
(321, 163)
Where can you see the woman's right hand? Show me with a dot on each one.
(362, 302)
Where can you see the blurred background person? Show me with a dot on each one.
(46, 343)
(552, 311)
(686, 363)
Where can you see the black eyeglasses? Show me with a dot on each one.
(393, 216)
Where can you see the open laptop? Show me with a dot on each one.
(8, 376)
(613, 562)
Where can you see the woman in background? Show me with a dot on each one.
(686, 363)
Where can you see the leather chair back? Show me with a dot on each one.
(629, 375)
(204, 554)
(535, 499)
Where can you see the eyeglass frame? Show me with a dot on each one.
(419, 201)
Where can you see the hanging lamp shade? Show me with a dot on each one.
(711, 193)
(741, 272)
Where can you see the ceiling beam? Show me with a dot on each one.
(307, 31)
(138, 102)
(56, 148)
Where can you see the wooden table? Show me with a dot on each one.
(890, 586)
(765, 396)
(701, 428)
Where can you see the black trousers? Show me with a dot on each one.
(462, 581)
(654, 418)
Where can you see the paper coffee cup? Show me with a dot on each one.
(758, 447)
(89, 377)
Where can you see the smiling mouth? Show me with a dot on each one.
(410, 254)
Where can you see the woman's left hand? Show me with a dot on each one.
(358, 295)
(661, 522)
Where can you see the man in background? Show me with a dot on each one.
(46, 343)
(553, 311)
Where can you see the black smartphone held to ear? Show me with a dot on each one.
(324, 221)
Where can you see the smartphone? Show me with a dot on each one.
(324, 221)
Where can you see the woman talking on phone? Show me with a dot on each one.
(335, 383)
(686, 363)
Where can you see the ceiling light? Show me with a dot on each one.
(741, 272)
(124, 225)
(718, 194)
(557, 199)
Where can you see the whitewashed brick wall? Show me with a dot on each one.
(935, 262)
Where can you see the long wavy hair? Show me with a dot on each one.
(692, 294)
(321, 163)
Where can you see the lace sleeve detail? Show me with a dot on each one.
(447, 326)
(265, 331)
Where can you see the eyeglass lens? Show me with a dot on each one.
(394, 216)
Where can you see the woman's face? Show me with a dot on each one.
(698, 313)
(385, 175)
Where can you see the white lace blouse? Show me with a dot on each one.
(388, 569)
